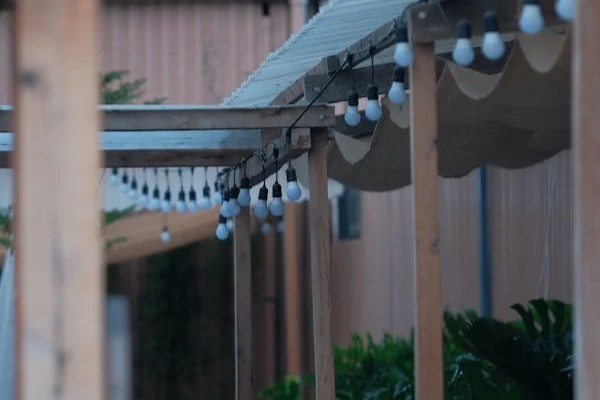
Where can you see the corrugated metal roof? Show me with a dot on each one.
(337, 26)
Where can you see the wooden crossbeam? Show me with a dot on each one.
(169, 118)
(439, 20)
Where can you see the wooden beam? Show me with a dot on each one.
(429, 376)
(301, 142)
(59, 273)
(169, 118)
(586, 145)
(439, 20)
(243, 306)
(321, 266)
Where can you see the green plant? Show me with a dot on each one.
(115, 89)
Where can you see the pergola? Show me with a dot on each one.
(55, 122)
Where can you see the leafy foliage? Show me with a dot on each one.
(484, 359)
(115, 89)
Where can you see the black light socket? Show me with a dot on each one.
(168, 195)
(490, 21)
(399, 74)
(353, 98)
(531, 2)
(206, 191)
(115, 171)
(277, 190)
(181, 195)
(156, 193)
(402, 34)
(145, 189)
(134, 184)
(125, 179)
(263, 193)
(290, 174)
(245, 183)
(234, 192)
(192, 195)
(372, 92)
(226, 195)
(464, 29)
(222, 219)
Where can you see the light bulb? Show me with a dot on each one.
(276, 206)
(260, 209)
(180, 207)
(403, 54)
(155, 201)
(234, 206)
(396, 93)
(225, 210)
(165, 205)
(564, 9)
(493, 46)
(165, 236)
(531, 20)
(114, 177)
(230, 225)
(222, 232)
(192, 204)
(265, 228)
(280, 226)
(292, 191)
(125, 183)
(244, 198)
(132, 194)
(218, 196)
(205, 202)
(143, 199)
(352, 116)
(463, 53)
(373, 110)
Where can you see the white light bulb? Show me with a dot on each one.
(222, 231)
(352, 116)
(234, 207)
(265, 228)
(218, 198)
(180, 207)
(165, 236)
(293, 191)
(225, 210)
(564, 9)
(205, 203)
(260, 209)
(114, 179)
(531, 20)
(143, 201)
(373, 110)
(463, 53)
(124, 188)
(230, 225)
(132, 194)
(165, 206)
(154, 204)
(244, 198)
(280, 227)
(493, 46)
(276, 207)
(192, 206)
(403, 54)
(396, 93)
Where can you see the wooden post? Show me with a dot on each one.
(423, 132)
(243, 306)
(294, 250)
(59, 273)
(586, 145)
(320, 265)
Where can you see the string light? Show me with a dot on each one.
(192, 204)
(564, 9)
(397, 94)
(463, 53)
(373, 109)
(234, 206)
(292, 191)
(403, 54)
(218, 196)
(143, 199)
(276, 206)
(531, 20)
(165, 206)
(180, 206)
(260, 209)
(205, 202)
(125, 182)
(114, 177)
(225, 210)
(165, 236)
(222, 232)
(133, 188)
(244, 198)
(155, 201)
(352, 116)
(493, 46)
